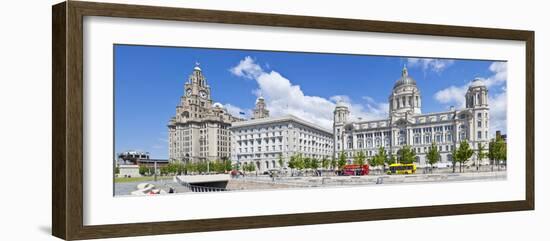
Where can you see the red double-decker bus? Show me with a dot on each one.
(355, 170)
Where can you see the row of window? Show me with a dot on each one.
(280, 148)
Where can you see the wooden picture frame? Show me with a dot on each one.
(67, 123)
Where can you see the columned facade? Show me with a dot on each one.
(406, 125)
(265, 141)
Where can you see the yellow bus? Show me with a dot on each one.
(399, 168)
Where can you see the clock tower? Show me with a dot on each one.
(196, 87)
(199, 130)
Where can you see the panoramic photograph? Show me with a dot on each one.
(195, 120)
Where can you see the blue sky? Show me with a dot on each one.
(149, 83)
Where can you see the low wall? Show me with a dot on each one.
(128, 170)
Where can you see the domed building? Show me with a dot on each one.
(407, 125)
(200, 130)
(405, 97)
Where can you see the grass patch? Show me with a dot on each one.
(140, 179)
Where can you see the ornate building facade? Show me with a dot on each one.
(406, 125)
(200, 129)
(260, 111)
(263, 139)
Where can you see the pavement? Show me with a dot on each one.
(320, 181)
(125, 188)
(262, 182)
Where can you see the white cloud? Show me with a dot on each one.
(376, 110)
(435, 65)
(498, 105)
(283, 98)
(500, 71)
(247, 68)
(454, 95)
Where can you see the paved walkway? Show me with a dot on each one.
(262, 182)
(125, 188)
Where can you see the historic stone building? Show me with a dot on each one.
(263, 139)
(406, 125)
(260, 111)
(200, 129)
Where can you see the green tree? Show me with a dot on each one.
(341, 160)
(454, 156)
(143, 170)
(359, 158)
(314, 164)
(296, 162)
(433, 155)
(333, 164)
(203, 166)
(391, 159)
(497, 151)
(406, 155)
(463, 153)
(480, 154)
(380, 159)
(325, 163)
(212, 166)
(300, 162)
(175, 168)
(503, 151)
(306, 163)
(491, 154)
(250, 167)
(292, 162)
